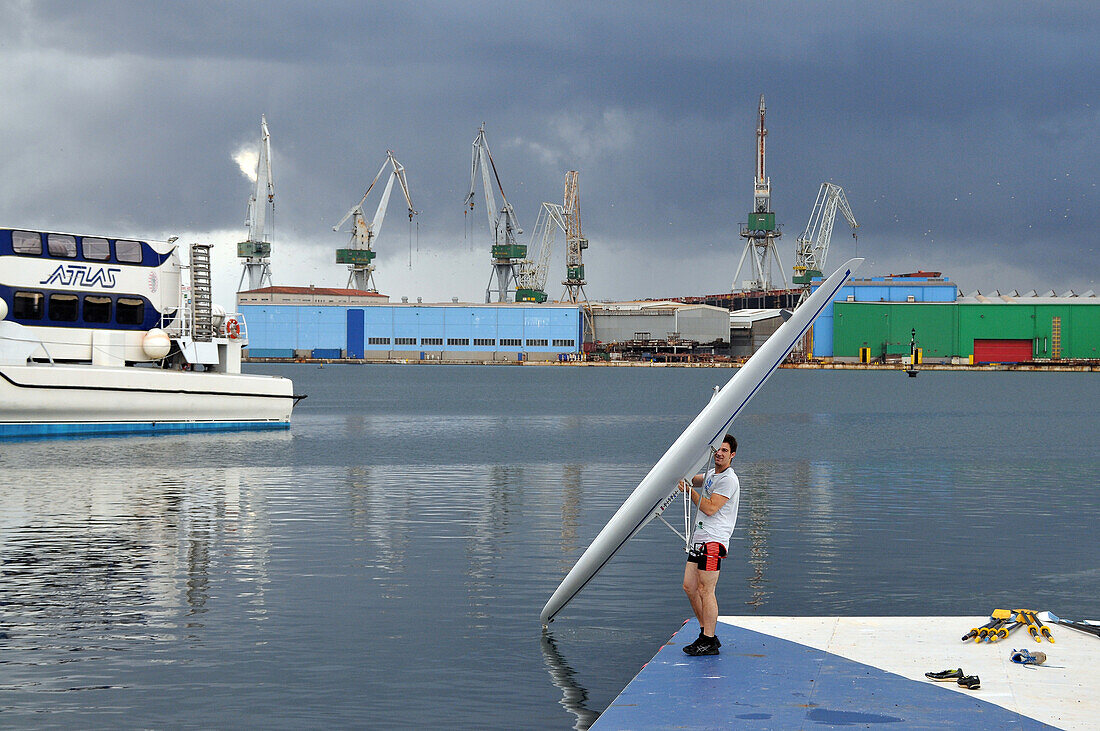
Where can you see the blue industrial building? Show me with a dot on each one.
(901, 288)
(413, 331)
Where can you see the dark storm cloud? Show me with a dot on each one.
(962, 135)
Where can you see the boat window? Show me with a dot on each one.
(63, 307)
(128, 251)
(28, 305)
(97, 308)
(26, 242)
(96, 249)
(61, 245)
(130, 311)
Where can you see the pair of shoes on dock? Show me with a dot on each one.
(970, 682)
(703, 645)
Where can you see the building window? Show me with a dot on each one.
(431, 341)
(511, 342)
(130, 311)
(28, 305)
(96, 249)
(404, 341)
(538, 343)
(97, 308)
(61, 245)
(378, 341)
(128, 251)
(26, 242)
(63, 307)
(564, 343)
(458, 341)
(485, 341)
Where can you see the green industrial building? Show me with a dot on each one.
(978, 329)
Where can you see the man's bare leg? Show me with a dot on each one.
(707, 601)
(691, 588)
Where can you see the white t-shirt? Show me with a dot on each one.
(718, 527)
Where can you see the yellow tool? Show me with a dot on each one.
(1043, 629)
(1028, 616)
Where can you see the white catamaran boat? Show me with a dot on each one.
(102, 336)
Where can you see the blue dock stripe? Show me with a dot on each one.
(760, 681)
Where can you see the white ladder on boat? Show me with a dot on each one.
(201, 304)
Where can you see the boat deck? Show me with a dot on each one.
(801, 672)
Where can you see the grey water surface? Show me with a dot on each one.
(383, 563)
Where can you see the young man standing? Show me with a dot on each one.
(717, 500)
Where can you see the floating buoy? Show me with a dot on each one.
(232, 328)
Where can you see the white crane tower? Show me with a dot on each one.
(256, 251)
(813, 244)
(575, 243)
(760, 232)
(531, 275)
(359, 256)
(506, 252)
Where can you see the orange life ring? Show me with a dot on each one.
(232, 328)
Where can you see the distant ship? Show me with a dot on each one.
(106, 336)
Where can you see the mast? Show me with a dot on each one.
(760, 232)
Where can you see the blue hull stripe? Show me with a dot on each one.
(11, 431)
(761, 681)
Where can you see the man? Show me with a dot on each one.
(717, 500)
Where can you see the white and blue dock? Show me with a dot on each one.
(806, 672)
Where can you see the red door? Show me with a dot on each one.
(1002, 351)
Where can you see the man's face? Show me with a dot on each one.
(722, 457)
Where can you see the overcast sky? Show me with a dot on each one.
(965, 136)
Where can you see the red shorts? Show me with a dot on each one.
(707, 556)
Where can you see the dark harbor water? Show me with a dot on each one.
(383, 563)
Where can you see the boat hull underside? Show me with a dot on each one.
(66, 400)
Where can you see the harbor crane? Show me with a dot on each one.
(760, 232)
(531, 275)
(256, 251)
(575, 244)
(813, 244)
(506, 253)
(359, 256)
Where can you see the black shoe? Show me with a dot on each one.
(707, 648)
(970, 682)
(955, 674)
(703, 646)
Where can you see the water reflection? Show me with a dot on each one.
(571, 495)
(379, 500)
(95, 557)
(759, 496)
(573, 695)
